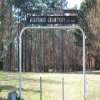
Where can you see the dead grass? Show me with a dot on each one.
(51, 86)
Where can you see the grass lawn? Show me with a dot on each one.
(51, 86)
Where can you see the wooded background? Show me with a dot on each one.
(48, 50)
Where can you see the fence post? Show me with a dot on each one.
(41, 88)
(63, 93)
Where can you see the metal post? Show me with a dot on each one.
(50, 27)
(41, 88)
(63, 91)
(20, 66)
(84, 68)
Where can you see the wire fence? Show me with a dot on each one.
(51, 86)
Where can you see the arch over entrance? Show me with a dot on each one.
(52, 27)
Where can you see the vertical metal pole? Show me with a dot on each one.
(84, 67)
(41, 88)
(20, 66)
(63, 93)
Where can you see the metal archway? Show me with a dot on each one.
(50, 27)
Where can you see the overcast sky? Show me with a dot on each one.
(72, 3)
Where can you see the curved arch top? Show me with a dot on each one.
(53, 27)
